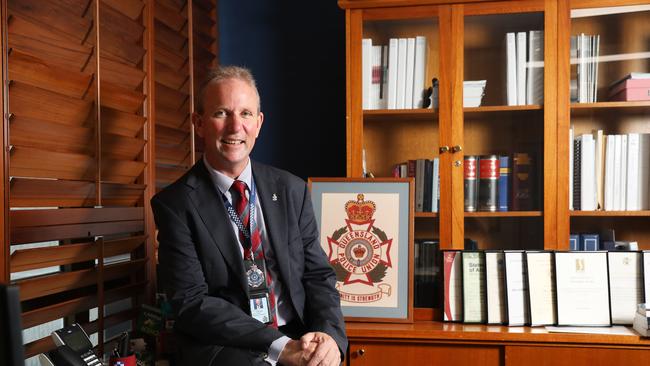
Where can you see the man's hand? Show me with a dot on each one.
(294, 354)
(327, 351)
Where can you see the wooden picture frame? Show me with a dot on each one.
(366, 230)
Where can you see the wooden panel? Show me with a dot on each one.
(202, 22)
(121, 147)
(168, 174)
(57, 17)
(130, 8)
(386, 353)
(177, 5)
(204, 41)
(81, 230)
(115, 22)
(564, 356)
(171, 119)
(173, 60)
(169, 38)
(170, 136)
(119, 123)
(75, 306)
(169, 77)
(167, 97)
(29, 162)
(56, 283)
(174, 19)
(172, 155)
(121, 171)
(46, 217)
(119, 98)
(121, 74)
(51, 106)
(36, 72)
(122, 194)
(35, 40)
(118, 49)
(26, 259)
(56, 137)
(206, 5)
(50, 193)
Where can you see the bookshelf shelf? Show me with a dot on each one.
(399, 114)
(610, 213)
(633, 104)
(426, 214)
(505, 214)
(503, 108)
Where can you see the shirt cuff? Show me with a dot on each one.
(276, 348)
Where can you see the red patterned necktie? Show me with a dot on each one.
(243, 211)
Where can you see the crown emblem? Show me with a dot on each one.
(360, 211)
(359, 251)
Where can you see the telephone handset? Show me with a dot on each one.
(76, 341)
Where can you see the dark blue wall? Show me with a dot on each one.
(296, 51)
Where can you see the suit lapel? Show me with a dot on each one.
(209, 204)
(274, 206)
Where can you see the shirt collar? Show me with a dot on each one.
(223, 182)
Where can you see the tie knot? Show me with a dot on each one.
(239, 187)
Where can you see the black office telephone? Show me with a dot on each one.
(73, 341)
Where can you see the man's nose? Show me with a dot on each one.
(235, 122)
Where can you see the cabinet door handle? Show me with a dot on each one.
(443, 149)
(361, 352)
(456, 149)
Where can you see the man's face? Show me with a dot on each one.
(229, 125)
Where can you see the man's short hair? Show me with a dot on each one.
(221, 73)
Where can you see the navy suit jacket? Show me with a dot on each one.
(202, 272)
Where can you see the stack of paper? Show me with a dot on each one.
(473, 92)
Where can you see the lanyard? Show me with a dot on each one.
(235, 218)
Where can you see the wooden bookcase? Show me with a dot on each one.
(466, 41)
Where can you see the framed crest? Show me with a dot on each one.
(366, 231)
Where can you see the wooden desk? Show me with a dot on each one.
(437, 343)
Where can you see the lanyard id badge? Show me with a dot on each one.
(258, 290)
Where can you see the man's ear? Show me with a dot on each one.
(198, 124)
(260, 120)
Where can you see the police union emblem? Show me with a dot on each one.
(359, 252)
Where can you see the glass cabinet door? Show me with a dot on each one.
(504, 126)
(399, 73)
(607, 167)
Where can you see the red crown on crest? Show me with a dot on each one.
(360, 211)
(359, 251)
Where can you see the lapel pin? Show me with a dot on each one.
(274, 197)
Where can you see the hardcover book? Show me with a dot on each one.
(523, 182)
(471, 183)
(487, 187)
(504, 183)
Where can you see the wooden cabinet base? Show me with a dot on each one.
(436, 343)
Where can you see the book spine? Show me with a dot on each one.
(511, 68)
(366, 72)
(504, 182)
(487, 188)
(470, 175)
(576, 173)
(522, 182)
(574, 242)
(392, 73)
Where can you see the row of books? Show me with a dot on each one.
(536, 288)
(492, 185)
(633, 87)
(593, 242)
(609, 172)
(393, 76)
(525, 67)
(427, 182)
(584, 55)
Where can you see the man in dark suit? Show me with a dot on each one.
(209, 266)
